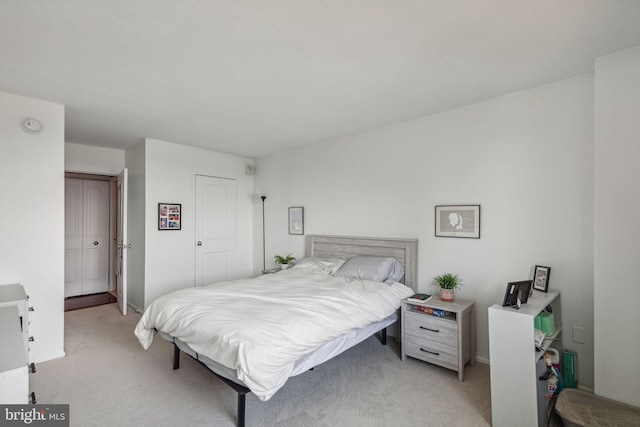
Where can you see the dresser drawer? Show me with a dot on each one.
(431, 328)
(433, 352)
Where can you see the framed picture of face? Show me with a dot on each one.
(541, 278)
(458, 221)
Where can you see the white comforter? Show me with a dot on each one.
(261, 326)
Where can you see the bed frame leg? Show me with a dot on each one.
(241, 408)
(176, 356)
(240, 389)
(383, 336)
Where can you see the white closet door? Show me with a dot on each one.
(86, 236)
(215, 229)
(73, 195)
(96, 237)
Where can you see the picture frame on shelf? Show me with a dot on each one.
(457, 221)
(517, 293)
(296, 220)
(169, 216)
(541, 278)
(511, 296)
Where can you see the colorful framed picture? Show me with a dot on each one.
(169, 216)
(458, 221)
(541, 278)
(296, 220)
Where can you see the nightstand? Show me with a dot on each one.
(448, 341)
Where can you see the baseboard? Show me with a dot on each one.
(482, 360)
(585, 388)
(134, 308)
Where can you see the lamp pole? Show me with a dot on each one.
(264, 253)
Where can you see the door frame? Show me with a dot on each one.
(113, 247)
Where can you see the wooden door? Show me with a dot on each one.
(216, 235)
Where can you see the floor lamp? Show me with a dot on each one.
(264, 253)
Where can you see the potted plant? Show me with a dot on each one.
(448, 284)
(284, 261)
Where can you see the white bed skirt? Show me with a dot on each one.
(315, 358)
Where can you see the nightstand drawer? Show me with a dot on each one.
(431, 328)
(433, 352)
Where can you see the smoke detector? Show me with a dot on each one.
(32, 126)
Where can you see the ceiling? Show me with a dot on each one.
(256, 77)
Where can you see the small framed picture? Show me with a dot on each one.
(296, 220)
(169, 216)
(541, 278)
(458, 221)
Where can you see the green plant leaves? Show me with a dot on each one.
(447, 281)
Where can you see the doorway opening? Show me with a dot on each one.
(91, 228)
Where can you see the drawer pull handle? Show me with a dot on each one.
(429, 329)
(32, 368)
(430, 352)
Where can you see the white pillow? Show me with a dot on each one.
(319, 265)
(378, 269)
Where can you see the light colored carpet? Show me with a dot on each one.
(109, 379)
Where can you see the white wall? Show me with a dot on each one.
(95, 160)
(32, 229)
(616, 225)
(526, 158)
(170, 171)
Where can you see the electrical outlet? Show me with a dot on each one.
(578, 334)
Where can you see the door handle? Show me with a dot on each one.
(95, 243)
(199, 243)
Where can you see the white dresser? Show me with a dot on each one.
(14, 352)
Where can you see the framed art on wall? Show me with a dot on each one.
(296, 220)
(458, 221)
(541, 278)
(169, 216)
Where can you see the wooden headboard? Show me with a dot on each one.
(343, 247)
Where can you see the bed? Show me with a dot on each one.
(275, 326)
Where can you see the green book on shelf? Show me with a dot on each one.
(569, 368)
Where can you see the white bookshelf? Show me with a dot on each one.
(515, 388)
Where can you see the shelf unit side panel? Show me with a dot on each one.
(513, 375)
